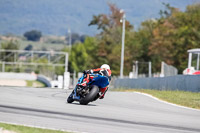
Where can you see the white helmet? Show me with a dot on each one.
(105, 66)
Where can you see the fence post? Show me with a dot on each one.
(198, 61)
(66, 80)
(66, 62)
(162, 69)
(3, 66)
(150, 69)
(74, 78)
(136, 69)
(190, 60)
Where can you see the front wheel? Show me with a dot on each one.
(90, 96)
(70, 99)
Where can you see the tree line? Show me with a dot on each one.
(166, 38)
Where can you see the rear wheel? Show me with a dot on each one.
(90, 96)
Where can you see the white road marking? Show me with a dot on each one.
(166, 101)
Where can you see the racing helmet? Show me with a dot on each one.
(105, 66)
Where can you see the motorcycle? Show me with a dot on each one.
(90, 92)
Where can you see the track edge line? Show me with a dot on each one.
(173, 104)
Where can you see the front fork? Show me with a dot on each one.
(74, 94)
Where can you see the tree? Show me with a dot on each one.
(33, 35)
(76, 38)
(174, 35)
(91, 46)
(109, 40)
(78, 57)
(112, 21)
(165, 39)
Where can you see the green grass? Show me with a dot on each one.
(24, 129)
(40, 46)
(184, 98)
(31, 83)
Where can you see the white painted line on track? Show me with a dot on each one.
(71, 131)
(155, 98)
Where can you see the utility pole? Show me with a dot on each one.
(70, 39)
(123, 38)
(66, 62)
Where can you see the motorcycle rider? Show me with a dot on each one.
(104, 70)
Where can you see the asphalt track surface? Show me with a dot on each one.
(118, 112)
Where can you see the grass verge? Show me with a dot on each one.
(184, 98)
(24, 129)
(31, 83)
(40, 46)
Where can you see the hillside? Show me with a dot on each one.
(54, 17)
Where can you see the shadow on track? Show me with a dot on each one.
(82, 105)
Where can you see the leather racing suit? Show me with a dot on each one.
(103, 72)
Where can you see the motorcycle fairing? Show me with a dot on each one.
(100, 81)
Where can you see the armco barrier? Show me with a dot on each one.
(19, 76)
(179, 82)
(44, 80)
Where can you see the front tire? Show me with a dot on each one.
(70, 99)
(90, 96)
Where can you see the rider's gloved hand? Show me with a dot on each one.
(87, 72)
(83, 84)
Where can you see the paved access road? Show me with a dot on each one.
(118, 112)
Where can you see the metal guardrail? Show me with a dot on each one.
(19, 76)
(179, 82)
(44, 80)
(30, 60)
(32, 52)
(25, 76)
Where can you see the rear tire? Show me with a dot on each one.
(90, 96)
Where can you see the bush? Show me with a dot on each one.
(11, 45)
(29, 47)
(7, 55)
